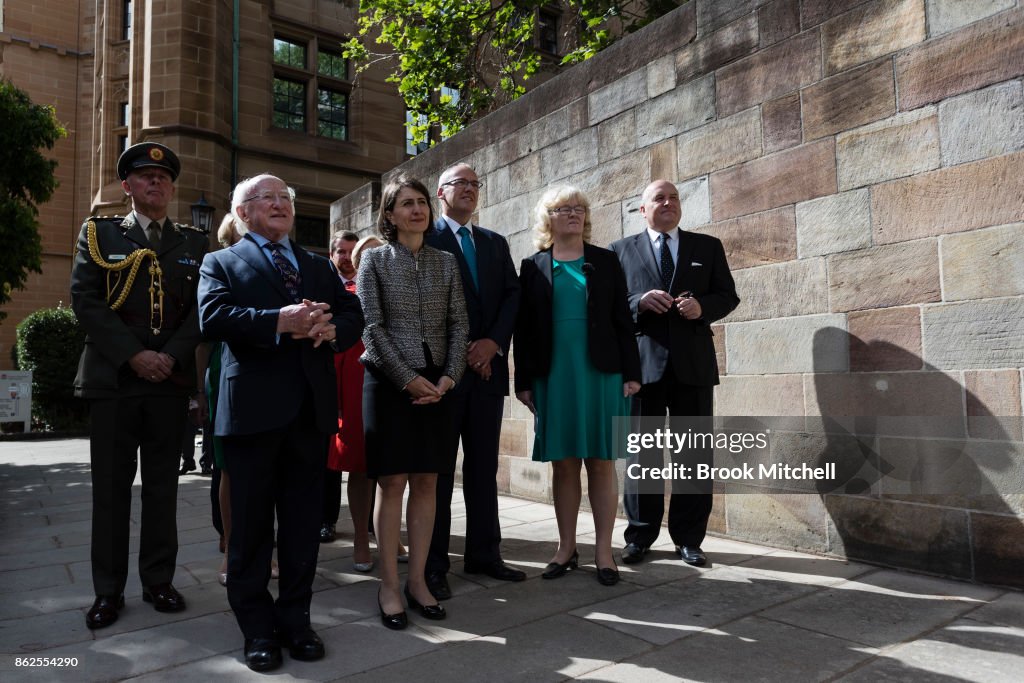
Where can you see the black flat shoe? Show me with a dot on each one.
(692, 556)
(435, 612)
(633, 553)
(262, 654)
(555, 570)
(305, 645)
(395, 622)
(104, 611)
(607, 576)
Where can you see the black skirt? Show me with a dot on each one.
(402, 438)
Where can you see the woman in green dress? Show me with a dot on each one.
(576, 365)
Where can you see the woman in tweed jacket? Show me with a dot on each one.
(415, 337)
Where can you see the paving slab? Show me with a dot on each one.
(874, 608)
(755, 613)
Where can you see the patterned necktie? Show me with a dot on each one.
(292, 280)
(469, 251)
(667, 267)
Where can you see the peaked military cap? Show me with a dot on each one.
(148, 154)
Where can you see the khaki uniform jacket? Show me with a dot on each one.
(113, 337)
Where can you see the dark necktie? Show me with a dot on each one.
(292, 280)
(153, 233)
(469, 251)
(667, 267)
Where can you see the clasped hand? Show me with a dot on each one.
(152, 366)
(659, 301)
(423, 391)
(307, 320)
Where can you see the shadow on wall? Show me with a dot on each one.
(927, 478)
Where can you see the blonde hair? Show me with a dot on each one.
(559, 195)
(362, 245)
(230, 231)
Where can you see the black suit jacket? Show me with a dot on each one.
(611, 342)
(263, 380)
(492, 308)
(701, 269)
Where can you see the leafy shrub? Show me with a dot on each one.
(49, 343)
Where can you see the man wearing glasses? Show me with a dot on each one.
(492, 301)
(281, 313)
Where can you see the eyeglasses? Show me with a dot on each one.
(462, 183)
(279, 197)
(569, 210)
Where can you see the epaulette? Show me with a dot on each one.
(184, 226)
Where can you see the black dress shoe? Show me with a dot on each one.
(304, 645)
(164, 598)
(496, 570)
(262, 654)
(187, 466)
(435, 612)
(694, 556)
(396, 621)
(555, 570)
(104, 611)
(633, 553)
(327, 533)
(437, 584)
(607, 576)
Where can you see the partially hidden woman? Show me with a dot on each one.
(346, 452)
(576, 364)
(415, 338)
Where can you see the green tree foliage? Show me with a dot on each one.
(49, 343)
(483, 49)
(26, 180)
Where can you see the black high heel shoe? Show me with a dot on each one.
(395, 622)
(554, 570)
(607, 576)
(435, 612)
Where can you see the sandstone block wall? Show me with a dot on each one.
(861, 161)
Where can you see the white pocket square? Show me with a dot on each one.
(695, 263)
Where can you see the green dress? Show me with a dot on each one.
(575, 403)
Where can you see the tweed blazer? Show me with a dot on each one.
(409, 300)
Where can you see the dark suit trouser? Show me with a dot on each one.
(478, 421)
(687, 513)
(283, 469)
(125, 431)
(332, 496)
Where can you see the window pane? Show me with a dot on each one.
(547, 32)
(289, 104)
(311, 232)
(332, 114)
(126, 21)
(289, 53)
(123, 116)
(410, 148)
(329, 64)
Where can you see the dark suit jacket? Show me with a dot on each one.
(492, 308)
(113, 337)
(701, 269)
(611, 342)
(263, 381)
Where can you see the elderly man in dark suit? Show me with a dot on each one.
(133, 288)
(274, 305)
(679, 283)
(492, 300)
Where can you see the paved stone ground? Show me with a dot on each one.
(757, 614)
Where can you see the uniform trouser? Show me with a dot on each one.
(281, 469)
(477, 420)
(125, 431)
(688, 513)
(332, 496)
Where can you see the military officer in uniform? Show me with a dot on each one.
(133, 288)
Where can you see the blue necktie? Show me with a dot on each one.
(667, 267)
(469, 251)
